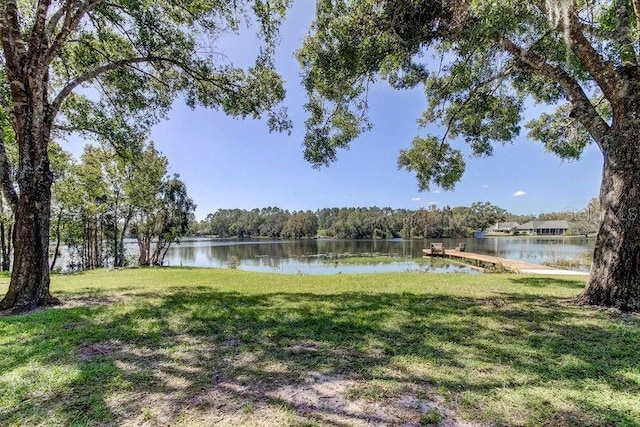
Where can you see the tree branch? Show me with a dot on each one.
(623, 33)
(636, 12)
(12, 42)
(54, 108)
(601, 70)
(88, 76)
(583, 109)
(64, 10)
(500, 76)
(70, 24)
(38, 32)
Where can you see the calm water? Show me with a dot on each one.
(323, 256)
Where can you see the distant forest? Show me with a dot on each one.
(374, 222)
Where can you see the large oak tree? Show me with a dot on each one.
(479, 61)
(112, 69)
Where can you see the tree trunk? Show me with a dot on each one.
(29, 287)
(615, 274)
(155, 257)
(5, 238)
(127, 220)
(58, 237)
(4, 266)
(85, 243)
(117, 258)
(164, 253)
(144, 246)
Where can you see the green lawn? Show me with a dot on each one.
(224, 347)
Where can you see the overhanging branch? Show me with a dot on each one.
(88, 76)
(602, 71)
(481, 85)
(92, 74)
(584, 111)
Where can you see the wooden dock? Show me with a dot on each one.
(488, 261)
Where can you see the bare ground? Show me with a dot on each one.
(181, 392)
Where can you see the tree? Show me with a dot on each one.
(580, 58)
(120, 181)
(91, 203)
(164, 220)
(273, 221)
(136, 57)
(63, 195)
(301, 225)
(177, 210)
(96, 201)
(482, 215)
(586, 221)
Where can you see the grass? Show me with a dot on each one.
(581, 261)
(386, 259)
(223, 347)
(368, 260)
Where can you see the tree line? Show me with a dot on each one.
(373, 222)
(107, 196)
(104, 197)
(268, 222)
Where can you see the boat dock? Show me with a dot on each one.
(484, 261)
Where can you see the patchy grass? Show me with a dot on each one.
(368, 260)
(388, 259)
(580, 262)
(223, 347)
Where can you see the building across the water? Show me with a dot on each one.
(509, 227)
(533, 228)
(544, 228)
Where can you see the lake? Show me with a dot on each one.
(330, 256)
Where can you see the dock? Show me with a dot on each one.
(484, 261)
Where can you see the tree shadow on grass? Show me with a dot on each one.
(194, 352)
(548, 282)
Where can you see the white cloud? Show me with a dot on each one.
(435, 192)
(415, 199)
(485, 186)
(519, 193)
(432, 203)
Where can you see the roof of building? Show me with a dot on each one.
(537, 225)
(504, 225)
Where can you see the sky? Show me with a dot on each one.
(235, 163)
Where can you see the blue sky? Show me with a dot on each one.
(229, 163)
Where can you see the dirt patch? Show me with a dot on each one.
(237, 389)
(96, 350)
(319, 399)
(118, 351)
(88, 301)
(305, 347)
(324, 398)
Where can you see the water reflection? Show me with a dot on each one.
(319, 256)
